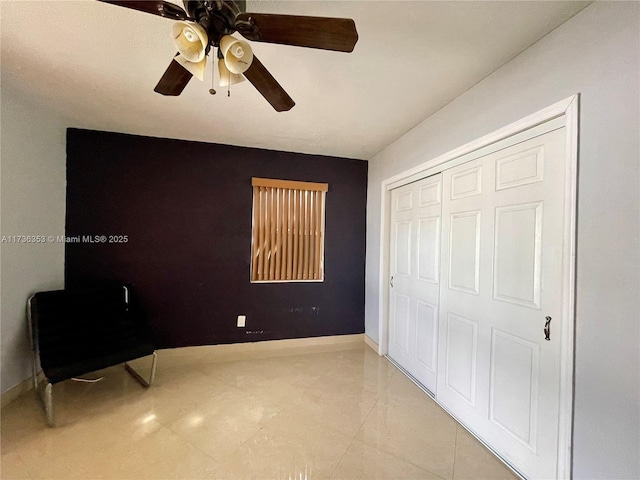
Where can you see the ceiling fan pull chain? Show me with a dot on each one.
(213, 68)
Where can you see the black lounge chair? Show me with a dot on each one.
(74, 332)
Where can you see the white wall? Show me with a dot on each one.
(33, 182)
(596, 54)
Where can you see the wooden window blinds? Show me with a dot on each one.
(287, 239)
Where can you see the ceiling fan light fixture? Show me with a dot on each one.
(190, 39)
(195, 68)
(226, 77)
(237, 54)
(203, 18)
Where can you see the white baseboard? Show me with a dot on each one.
(234, 351)
(17, 390)
(370, 343)
(228, 352)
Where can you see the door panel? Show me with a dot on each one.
(428, 249)
(514, 387)
(464, 252)
(403, 251)
(430, 194)
(461, 356)
(426, 328)
(502, 224)
(517, 264)
(401, 314)
(520, 169)
(404, 201)
(466, 183)
(415, 270)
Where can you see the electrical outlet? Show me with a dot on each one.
(241, 320)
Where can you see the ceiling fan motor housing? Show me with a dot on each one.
(218, 18)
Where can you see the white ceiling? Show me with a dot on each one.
(97, 64)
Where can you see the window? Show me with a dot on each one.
(287, 238)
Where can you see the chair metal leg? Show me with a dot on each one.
(48, 404)
(46, 394)
(34, 370)
(139, 378)
(33, 344)
(153, 368)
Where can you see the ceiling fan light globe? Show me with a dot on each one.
(226, 77)
(190, 39)
(237, 54)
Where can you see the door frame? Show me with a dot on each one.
(564, 113)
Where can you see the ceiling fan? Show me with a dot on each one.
(203, 24)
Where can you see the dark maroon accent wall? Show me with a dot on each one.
(185, 208)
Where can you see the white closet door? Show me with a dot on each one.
(415, 273)
(501, 278)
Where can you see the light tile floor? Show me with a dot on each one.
(340, 413)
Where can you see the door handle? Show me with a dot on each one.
(391, 281)
(547, 329)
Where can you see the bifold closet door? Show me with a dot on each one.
(414, 281)
(501, 284)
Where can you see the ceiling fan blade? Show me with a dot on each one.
(174, 80)
(337, 34)
(154, 7)
(268, 86)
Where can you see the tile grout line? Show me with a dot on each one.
(261, 427)
(220, 463)
(199, 369)
(409, 461)
(194, 446)
(353, 438)
(290, 403)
